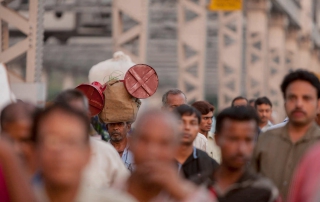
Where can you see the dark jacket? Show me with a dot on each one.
(199, 167)
(249, 188)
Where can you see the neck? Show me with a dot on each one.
(140, 190)
(205, 133)
(62, 194)
(120, 145)
(227, 177)
(262, 124)
(296, 132)
(184, 152)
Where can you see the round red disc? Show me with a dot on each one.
(95, 98)
(141, 81)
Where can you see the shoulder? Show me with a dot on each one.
(271, 133)
(205, 157)
(264, 184)
(102, 148)
(201, 136)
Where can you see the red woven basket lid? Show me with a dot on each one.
(95, 96)
(141, 81)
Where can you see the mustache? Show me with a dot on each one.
(115, 133)
(240, 156)
(298, 110)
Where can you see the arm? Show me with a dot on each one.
(18, 187)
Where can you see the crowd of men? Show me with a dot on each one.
(54, 154)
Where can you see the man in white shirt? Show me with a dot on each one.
(263, 107)
(207, 110)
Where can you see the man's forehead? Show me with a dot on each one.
(176, 97)
(189, 117)
(301, 87)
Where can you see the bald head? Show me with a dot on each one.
(155, 137)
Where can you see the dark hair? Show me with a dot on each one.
(63, 108)
(187, 110)
(203, 107)
(171, 92)
(262, 100)
(252, 101)
(67, 96)
(238, 98)
(241, 113)
(302, 75)
(17, 111)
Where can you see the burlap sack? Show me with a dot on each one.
(119, 105)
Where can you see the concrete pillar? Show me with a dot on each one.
(304, 59)
(276, 62)
(257, 47)
(314, 63)
(292, 49)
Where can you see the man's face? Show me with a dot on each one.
(63, 149)
(118, 131)
(206, 122)
(301, 102)
(19, 133)
(240, 102)
(155, 141)
(236, 141)
(174, 101)
(264, 111)
(190, 127)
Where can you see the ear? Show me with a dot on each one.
(129, 126)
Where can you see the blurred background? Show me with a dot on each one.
(213, 50)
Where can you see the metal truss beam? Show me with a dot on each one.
(192, 48)
(33, 43)
(256, 47)
(137, 10)
(230, 56)
(276, 62)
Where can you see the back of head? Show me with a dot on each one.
(203, 107)
(171, 92)
(300, 75)
(16, 112)
(238, 98)
(241, 113)
(73, 98)
(262, 100)
(188, 111)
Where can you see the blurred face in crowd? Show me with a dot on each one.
(63, 149)
(240, 102)
(236, 141)
(19, 133)
(264, 111)
(301, 102)
(174, 101)
(206, 122)
(317, 119)
(190, 127)
(118, 131)
(154, 139)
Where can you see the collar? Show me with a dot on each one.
(310, 134)
(210, 135)
(195, 156)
